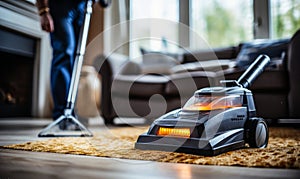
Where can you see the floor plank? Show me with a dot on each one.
(24, 164)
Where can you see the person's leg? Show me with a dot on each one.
(63, 41)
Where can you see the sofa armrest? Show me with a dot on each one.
(210, 54)
(272, 80)
(293, 64)
(210, 65)
(108, 67)
(130, 68)
(110, 64)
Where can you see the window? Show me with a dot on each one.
(152, 23)
(222, 23)
(219, 23)
(285, 18)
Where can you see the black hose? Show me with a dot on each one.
(254, 70)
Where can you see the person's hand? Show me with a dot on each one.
(47, 22)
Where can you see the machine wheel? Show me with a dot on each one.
(257, 133)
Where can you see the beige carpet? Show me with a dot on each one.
(283, 150)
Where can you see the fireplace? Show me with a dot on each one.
(25, 53)
(16, 73)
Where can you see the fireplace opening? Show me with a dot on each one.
(17, 53)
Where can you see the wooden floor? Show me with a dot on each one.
(23, 164)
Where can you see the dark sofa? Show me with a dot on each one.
(127, 91)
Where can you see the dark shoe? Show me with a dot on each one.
(69, 124)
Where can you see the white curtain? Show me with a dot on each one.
(116, 28)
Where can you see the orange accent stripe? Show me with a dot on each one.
(199, 107)
(177, 132)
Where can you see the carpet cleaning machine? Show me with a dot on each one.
(68, 125)
(213, 121)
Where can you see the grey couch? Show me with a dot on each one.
(127, 91)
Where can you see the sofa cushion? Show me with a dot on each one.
(271, 80)
(143, 86)
(185, 84)
(210, 54)
(271, 105)
(168, 56)
(275, 49)
(159, 62)
(209, 65)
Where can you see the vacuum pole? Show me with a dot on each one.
(79, 58)
(253, 71)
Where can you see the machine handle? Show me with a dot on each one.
(254, 70)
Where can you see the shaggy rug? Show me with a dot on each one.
(283, 150)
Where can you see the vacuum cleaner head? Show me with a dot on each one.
(213, 121)
(65, 126)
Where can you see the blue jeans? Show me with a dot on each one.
(68, 17)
